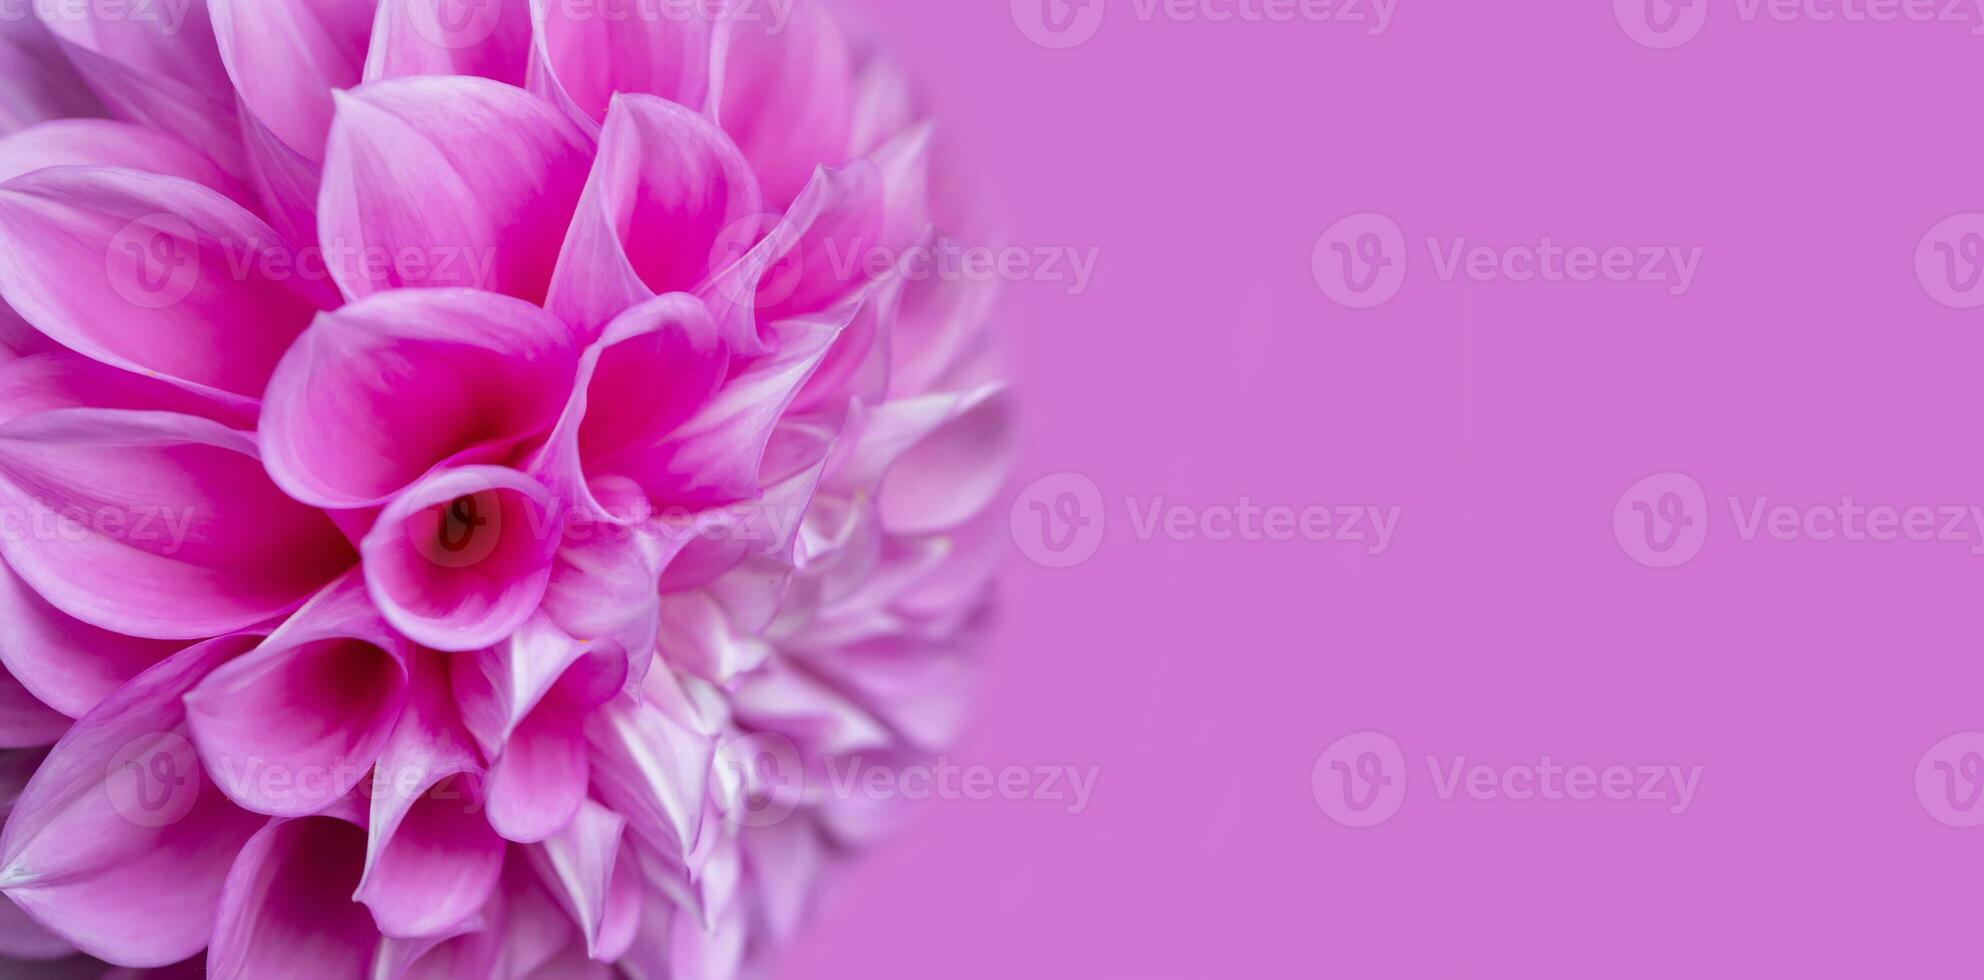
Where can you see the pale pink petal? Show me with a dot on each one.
(119, 843)
(578, 866)
(153, 273)
(157, 525)
(953, 473)
(882, 104)
(293, 727)
(666, 193)
(68, 664)
(784, 860)
(108, 143)
(461, 559)
(376, 394)
(526, 701)
(448, 181)
(785, 95)
(287, 913)
(652, 768)
(451, 37)
(697, 636)
(162, 71)
(584, 55)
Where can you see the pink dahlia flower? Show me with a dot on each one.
(467, 467)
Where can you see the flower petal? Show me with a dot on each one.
(379, 392)
(578, 867)
(437, 864)
(286, 57)
(785, 95)
(583, 57)
(41, 84)
(666, 193)
(714, 458)
(25, 722)
(287, 912)
(108, 143)
(461, 559)
(157, 525)
(449, 37)
(67, 663)
(153, 273)
(291, 728)
(119, 843)
(162, 71)
(448, 181)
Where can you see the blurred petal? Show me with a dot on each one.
(162, 70)
(450, 37)
(785, 95)
(107, 143)
(41, 84)
(584, 56)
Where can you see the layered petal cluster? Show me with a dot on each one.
(468, 471)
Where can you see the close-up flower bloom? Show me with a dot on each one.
(467, 470)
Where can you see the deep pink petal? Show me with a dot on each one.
(119, 843)
(379, 392)
(448, 181)
(293, 727)
(153, 273)
(461, 559)
(667, 192)
(155, 524)
(287, 913)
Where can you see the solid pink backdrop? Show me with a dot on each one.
(1506, 621)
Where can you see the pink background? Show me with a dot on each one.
(1204, 364)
